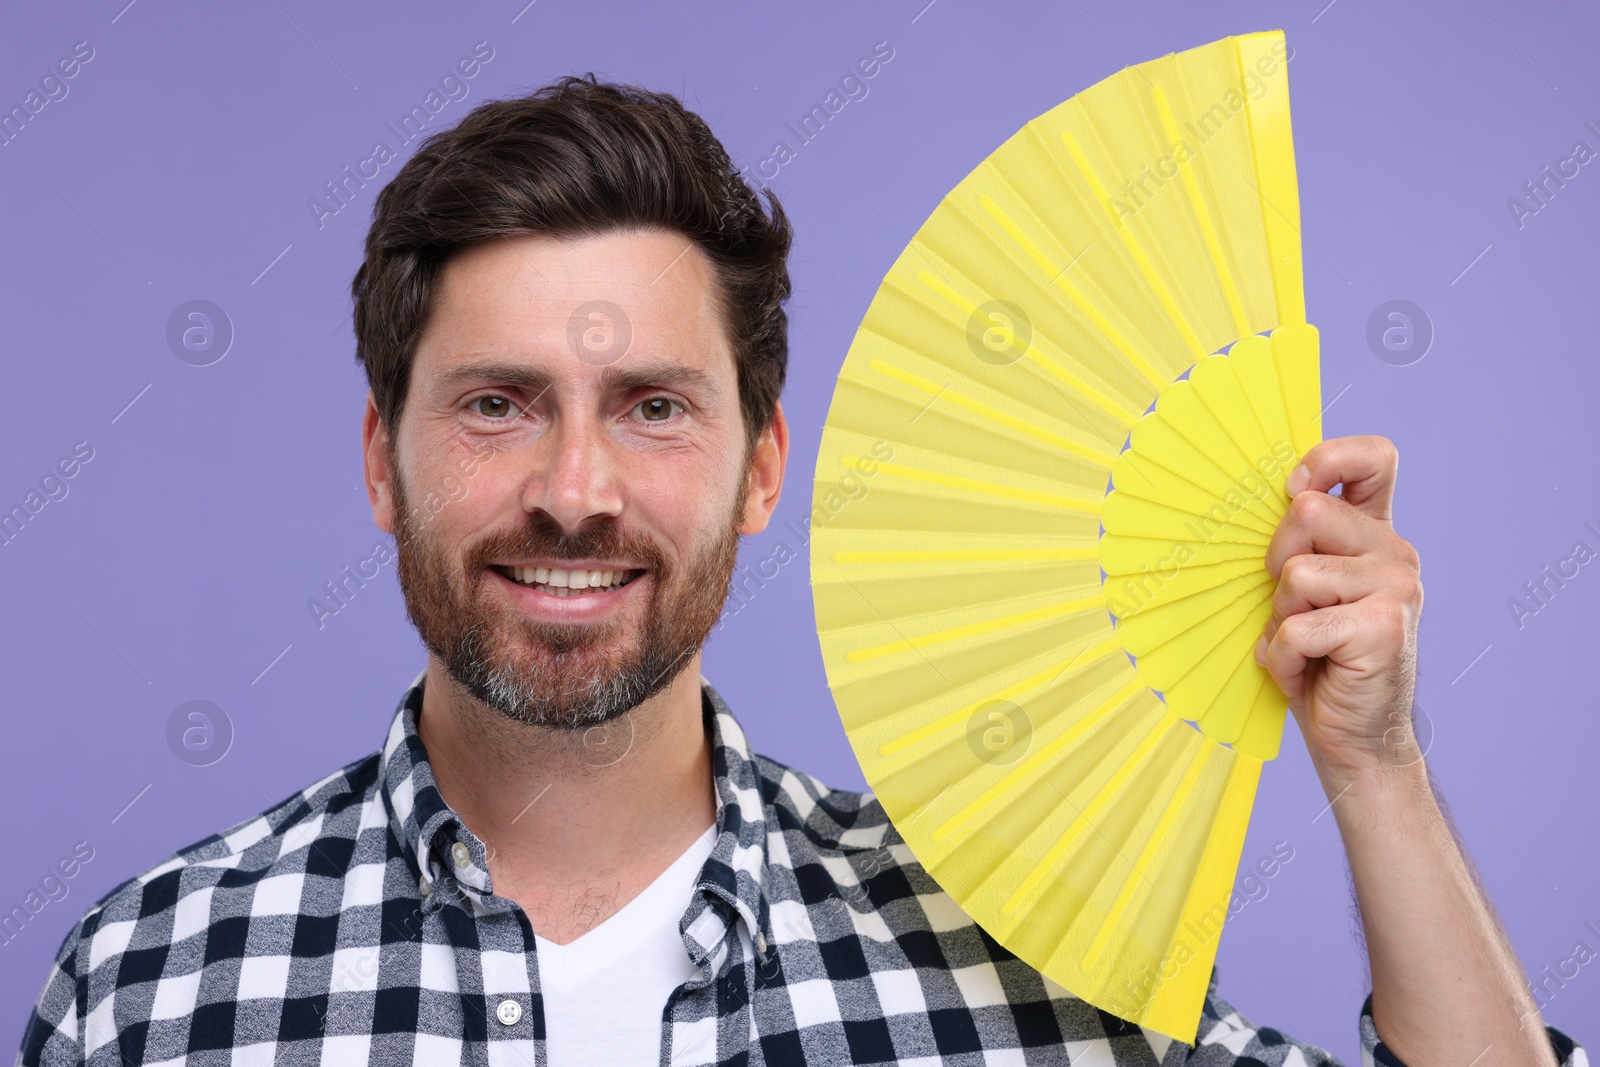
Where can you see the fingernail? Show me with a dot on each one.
(1299, 479)
(1261, 650)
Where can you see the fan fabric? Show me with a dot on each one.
(1040, 515)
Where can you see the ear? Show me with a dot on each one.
(766, 473)
(378, 466)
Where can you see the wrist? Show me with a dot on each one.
(1375, 791)
(1376, 758)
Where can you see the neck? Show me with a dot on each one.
(576, 822)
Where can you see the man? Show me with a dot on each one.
(570, 315)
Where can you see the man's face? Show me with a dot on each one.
(570, 479)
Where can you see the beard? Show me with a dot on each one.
(566, 675)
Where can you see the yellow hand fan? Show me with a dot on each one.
(1067, 727)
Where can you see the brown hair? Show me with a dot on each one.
(574, 158)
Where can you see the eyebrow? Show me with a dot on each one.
(613, 378)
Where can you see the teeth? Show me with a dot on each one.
(567, 582)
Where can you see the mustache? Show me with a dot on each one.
(543, 537)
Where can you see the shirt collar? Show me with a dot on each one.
(733, 883)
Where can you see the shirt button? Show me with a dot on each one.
(424, 885)
(508, 1012)
(460, 853)
(761, 942)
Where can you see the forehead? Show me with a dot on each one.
(532, 296)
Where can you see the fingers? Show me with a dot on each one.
(1359, 638)
(1309, 582)
(1365, 464)
(1323, 524)
(1302, 640)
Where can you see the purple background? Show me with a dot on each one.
(179, 566)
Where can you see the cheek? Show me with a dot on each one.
(444, 504)
(457, 473)
(682, 513)
(670, 514)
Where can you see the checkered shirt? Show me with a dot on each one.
(355, 922)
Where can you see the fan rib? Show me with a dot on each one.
(1081, 302)
(1167, 662)
(1272, 151)
(1164, 520)
(1257, 372)
(1169, 1004)
(1225, 719)
(1269, 503)
(966, 308)
(1188, 487)
(936, 281)
(915, 406)
(967, 555)
(1140, 886)
(1246, 520)
(1155, 435)
(1262, 735)
(1030, 766)
(1194, 693)
(960, 716)
(1295, 354)
(1216, 384)
(973, 485)
(1047, 863)
(1182, 408)
(1157, 626)
(1188, 493)
(879, 389)
(1214, 578)
(1123, 554)
(1131, 243)
(1202, 214)
(978, 407)
(1199, 438)
(1004, 622)
(1207, 576)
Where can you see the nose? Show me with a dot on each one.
(575, 474)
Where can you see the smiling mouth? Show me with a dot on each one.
(567, 583)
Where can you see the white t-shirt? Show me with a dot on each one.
(604, 993)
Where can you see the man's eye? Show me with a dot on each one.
(657, 408)
(493, 406)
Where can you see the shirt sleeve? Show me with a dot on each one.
(51, 1038)
(1375, 1054)
(1227, 1039)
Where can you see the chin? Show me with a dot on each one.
(528, 682)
